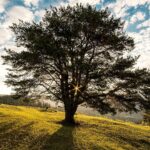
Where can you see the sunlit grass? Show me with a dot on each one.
(26, 128)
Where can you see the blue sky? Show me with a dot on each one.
(135, 13)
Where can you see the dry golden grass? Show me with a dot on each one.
(26, 128)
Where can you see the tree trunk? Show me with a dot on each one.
(69, 117)
(69, 114)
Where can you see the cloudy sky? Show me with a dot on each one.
(135, 13)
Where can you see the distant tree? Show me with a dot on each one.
(76, 55)
(146, 117)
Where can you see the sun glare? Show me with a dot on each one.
(76, 89)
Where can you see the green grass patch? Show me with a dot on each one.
(26, 128)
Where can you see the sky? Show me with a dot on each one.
(135, 13)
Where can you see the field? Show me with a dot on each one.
(27, 128)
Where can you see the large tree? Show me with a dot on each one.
(76, 55)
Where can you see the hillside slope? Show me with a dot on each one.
(25, 128)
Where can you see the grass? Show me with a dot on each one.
(26, 128)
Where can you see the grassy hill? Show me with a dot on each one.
(26, 128)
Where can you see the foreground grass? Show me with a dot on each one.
(25, 128)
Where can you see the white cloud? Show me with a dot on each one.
(16, 13)
(137, 17)
(133, 3)
(12, 16)
(126, 25)
(2, 5)
(40, 13)
(144, 24)
(31, 2)
(4, 89)
(120, 6)
(142, 47)
(84, 2)
(5, 35)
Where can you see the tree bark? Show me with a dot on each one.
(69, 114)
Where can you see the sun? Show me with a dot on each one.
(76, 89)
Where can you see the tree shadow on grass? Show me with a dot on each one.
(62, 139)
(12, 137)
(5, 126)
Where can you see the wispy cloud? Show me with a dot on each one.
(2, 5)
(144, 24)
(120, 7)
(137, 17)
(5, 36)
(142, 47)
(17, 13)
(31, 2)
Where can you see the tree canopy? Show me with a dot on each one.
(76, 55)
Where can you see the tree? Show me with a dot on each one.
(146, 118)
(76, 55)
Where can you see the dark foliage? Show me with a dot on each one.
(76, 55)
